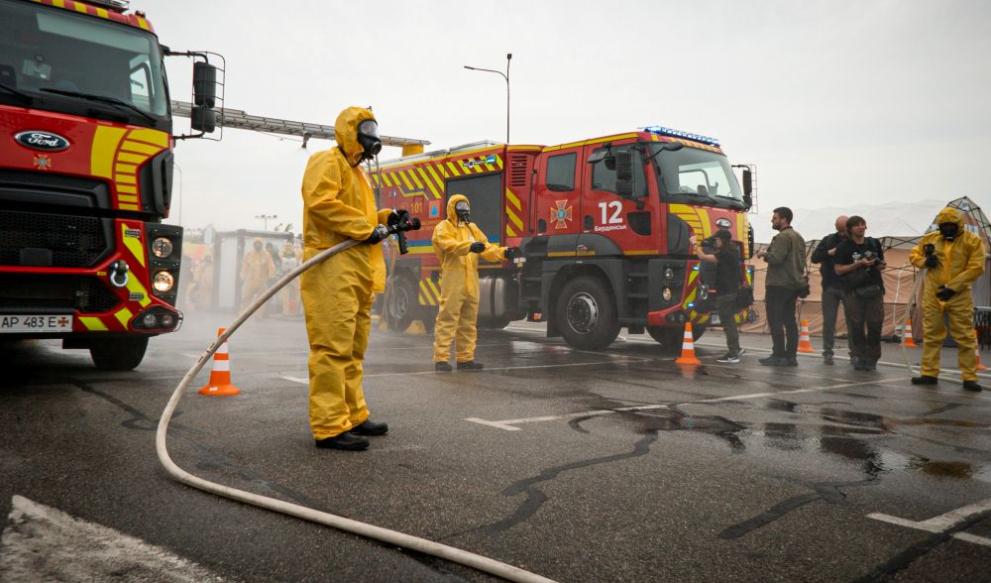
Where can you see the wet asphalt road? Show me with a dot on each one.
(580, 466)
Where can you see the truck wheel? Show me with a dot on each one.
(118, 353)
(670, 339)
(585, 314)
(401, 304)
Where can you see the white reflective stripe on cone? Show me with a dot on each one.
(222, 365)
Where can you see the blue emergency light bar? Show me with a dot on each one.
(663, 131)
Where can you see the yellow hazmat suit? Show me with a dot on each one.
(961, 261)
(458, 311)
(257, 268)
(338, 205)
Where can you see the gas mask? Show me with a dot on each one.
(368, 139)
(463, 211)
(949, 231)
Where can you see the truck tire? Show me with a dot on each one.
(118, 353)
(670, 339)
(586, 315)
(401, 304)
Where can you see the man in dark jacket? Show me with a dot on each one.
(859, 261)
(832, 288)
(785, 258)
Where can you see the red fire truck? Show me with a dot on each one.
(603, 226)
(86, 177)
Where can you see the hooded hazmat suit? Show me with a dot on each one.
(338, 205)
(256, 269)
(961, 261)
(458, 313)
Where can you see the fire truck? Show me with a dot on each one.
(602, 225)
(86, 161)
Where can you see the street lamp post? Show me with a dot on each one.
(266, 219)
(509, 58)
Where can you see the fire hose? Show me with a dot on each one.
(421, 545)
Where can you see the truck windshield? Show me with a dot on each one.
(81, 64)
(694, 175)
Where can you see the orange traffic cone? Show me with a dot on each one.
(688, 348)
(804, 342)
(220, 377)
(908, 338)
(977, 352)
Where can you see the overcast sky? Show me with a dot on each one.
(838, 103)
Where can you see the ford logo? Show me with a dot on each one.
(724, 223)
(39, 140)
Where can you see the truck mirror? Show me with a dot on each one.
(624, 174)
(204, 84)
(748, 188)
(203, 119)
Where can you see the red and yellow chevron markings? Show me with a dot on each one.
(514, 209)
(118, 153)
(429, 292)
(696, 217)
(428, 178)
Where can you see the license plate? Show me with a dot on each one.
(15, 323)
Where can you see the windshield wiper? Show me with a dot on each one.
(103, 99)
(16, 92)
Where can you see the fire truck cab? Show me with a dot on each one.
(603, 226)
(86, 177)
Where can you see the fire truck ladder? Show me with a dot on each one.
(239, 119)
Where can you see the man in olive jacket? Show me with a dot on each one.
(785, 258)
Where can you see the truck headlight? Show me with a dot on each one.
(162, 247)
(668, 273)
(163, 282)
(666, 294)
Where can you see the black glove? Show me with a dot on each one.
(510, 253)
(932, 261)
(477, 247)
(380, 233)
(945, 293)
(398, 216)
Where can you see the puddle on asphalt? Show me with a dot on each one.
(847, 437)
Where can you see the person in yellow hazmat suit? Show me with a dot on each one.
(256, 269)
(953, 258)
(458, 244)
(338, 205)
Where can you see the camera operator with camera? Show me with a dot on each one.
(859, 261)
(719, 249)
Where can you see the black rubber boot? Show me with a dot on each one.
(925, 380)
(346, 441)
(470, 365)
(370, 428)
(972, 386)
(442, 367)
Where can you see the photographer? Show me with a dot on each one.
(727, 259)
(832, 285)
(859, 261)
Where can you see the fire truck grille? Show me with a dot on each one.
(29, 291)
(50, 240)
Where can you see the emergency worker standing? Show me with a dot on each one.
(338, 205)
(256, 269)
(953, 258)
(458, 243)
